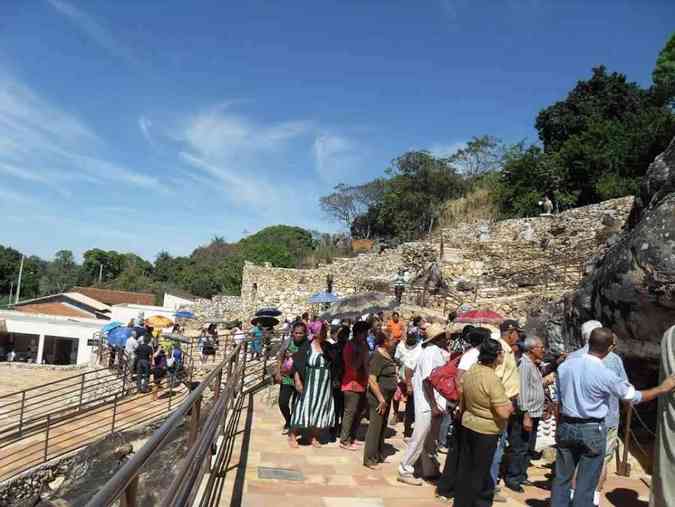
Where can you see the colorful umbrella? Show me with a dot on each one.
(118, 336)
(480, 317)
(110, 326)
(158, 321)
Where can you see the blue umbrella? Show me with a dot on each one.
(110, 326)
(185, 315)
(322, 297)
(118, 336)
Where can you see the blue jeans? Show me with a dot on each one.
(581, 447)
(497, 459)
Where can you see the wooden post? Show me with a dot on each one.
(623, 468)
(114, 414)
(128, 498)
(79, 406)
(23, 404)
(219, 381)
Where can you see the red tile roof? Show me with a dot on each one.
(54, 309)
(116, 297)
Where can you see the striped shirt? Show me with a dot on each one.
(531, 397)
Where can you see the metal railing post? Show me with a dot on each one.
(623, 468)
(219, 381)
(79, 406)
(47, 436)
(114, 414)
(23, 404)
(194, 422)
(128, 498)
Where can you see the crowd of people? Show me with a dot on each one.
(145, 353)
(475, 393)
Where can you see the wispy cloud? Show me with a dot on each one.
(336, 157)
(43, 144)
(145, 125)
(93, 29)
(444, 150)
(242, 156)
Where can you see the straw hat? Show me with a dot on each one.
(433, 330)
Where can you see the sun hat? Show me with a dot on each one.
(433, 330)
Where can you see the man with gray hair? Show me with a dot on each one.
(525, 421)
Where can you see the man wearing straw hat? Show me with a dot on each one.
(429, 408)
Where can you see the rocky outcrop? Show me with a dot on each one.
(632, 287)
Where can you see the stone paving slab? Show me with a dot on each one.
(334, 477)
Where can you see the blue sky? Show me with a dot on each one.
(148, 125)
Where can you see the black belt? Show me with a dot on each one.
(579, 420)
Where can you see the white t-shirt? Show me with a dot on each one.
(469, 358)
(431, 358)
(131, 345)
(408, 356)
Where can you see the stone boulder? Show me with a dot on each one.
(632, 287)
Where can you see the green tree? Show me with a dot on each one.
(61, 274)
(482, 154)
(663, 75)
(108, 263)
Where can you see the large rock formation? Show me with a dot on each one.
(632, 287)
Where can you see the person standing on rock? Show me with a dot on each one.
(663, 478)
(585, 386)
(287, 392)
(429, 409)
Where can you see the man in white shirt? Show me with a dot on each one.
(429, 407)
(130, 349)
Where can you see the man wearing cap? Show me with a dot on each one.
(429, 407)
(585, 386)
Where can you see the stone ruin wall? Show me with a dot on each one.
(507, 266)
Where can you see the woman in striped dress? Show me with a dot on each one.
(314, 408)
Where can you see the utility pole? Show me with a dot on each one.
(11, 291)
(18, 285)
(100, 273)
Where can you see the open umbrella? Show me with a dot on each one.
(322, 297)
(265, 321)
(118, 336)
(110, 326)
(268, 312)
(185, 315)
(158, 321)
(352, 307)
(480, 317)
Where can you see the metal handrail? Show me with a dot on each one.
(124, 482)
(231, 373)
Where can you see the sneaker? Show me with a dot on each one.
(442, 450)
(499, 499)
(349, 447)
(409, 479)
(285, 430)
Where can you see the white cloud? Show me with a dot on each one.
(145, 125)
(41, 143)
(243, 156)
(444, 150)
(92, 28)
(335, 156)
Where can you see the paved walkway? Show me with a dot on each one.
(332, 477)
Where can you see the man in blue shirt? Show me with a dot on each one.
(614, 362)
(585, 386)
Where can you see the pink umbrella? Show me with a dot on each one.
(480, 317)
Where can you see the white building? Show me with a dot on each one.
(47, 339)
